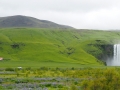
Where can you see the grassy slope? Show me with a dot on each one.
(49, 47)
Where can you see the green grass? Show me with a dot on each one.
(31, 47)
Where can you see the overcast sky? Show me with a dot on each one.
(81, 14)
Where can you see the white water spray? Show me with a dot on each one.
(115, 61)
(116, 57)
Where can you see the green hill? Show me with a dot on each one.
(31, 47)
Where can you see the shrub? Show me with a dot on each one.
(9, 69)
(28, 68)
(73, 87)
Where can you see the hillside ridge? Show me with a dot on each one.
(27, 21)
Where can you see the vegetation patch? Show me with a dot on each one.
(61, 79)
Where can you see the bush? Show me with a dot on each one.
(9, 69)
(28, 68)
(73, 87)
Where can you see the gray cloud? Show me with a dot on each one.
(91, 14)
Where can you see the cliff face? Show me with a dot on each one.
(101, 49)
(107, 52)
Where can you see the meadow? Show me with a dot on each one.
(60, 78)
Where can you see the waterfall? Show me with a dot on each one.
(115, 61)
(116, 57)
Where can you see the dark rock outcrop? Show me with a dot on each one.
(107, 51)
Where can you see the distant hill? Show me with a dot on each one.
(25, 21)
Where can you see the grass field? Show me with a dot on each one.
(31, 47)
